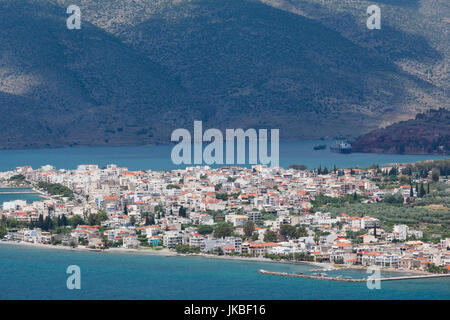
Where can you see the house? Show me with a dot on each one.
(130, 242)
(171, 239)
(260, 249)
(368, 238)
(237, 220)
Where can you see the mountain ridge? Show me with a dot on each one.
(139, 69)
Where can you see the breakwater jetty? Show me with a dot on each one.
(324, 277)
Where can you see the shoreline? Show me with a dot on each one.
(42, 195)
(163, 252)
(322, 266)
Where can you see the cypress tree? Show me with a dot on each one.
(64, 220)
(40, 223)
(422, 190)
(182, 212)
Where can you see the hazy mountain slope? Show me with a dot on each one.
(138, 69)
(269, 66)
(415, 34)
(61, 87)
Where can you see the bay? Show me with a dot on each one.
(157, 157)
(35, 273)
(7, 194)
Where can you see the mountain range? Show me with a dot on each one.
(138, 69)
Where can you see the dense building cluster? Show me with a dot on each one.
(257, 211)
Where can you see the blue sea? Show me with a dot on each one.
(34, 273)
(157, 157)
(30, 197)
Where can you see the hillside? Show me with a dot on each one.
(139, 69)
(428, 133)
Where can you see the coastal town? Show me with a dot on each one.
(257, 212)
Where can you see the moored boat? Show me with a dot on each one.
(320, 147)
(341, 147)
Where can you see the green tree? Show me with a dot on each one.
(435, 174)
(288, 231)
(40, 223)
(223, 230)
(270, 236)
(301, 232)
(393, 198)
(422, 191)
(249, 227)
(98, 218)
(301, 167)
(48, 224)
(393, 171)
(75, 221)
(56, 189)
(182, 212)
(64, 220)
(205, 229)
(3, 232)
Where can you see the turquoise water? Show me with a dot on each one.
(158, 157)
(31, 273)
(29, 197)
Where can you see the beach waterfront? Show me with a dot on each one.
(158, 157)
(42, 274)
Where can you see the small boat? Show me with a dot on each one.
(320, 147)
